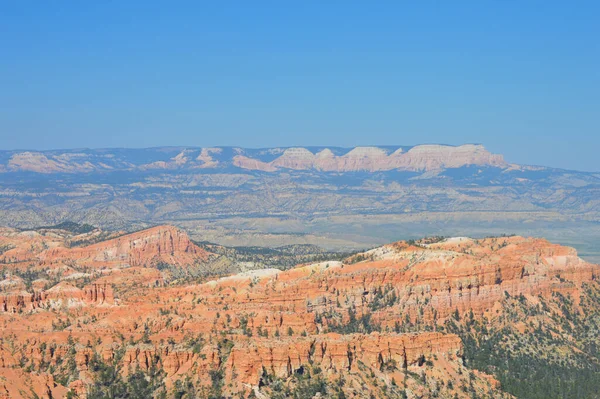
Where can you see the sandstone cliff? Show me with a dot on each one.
(376, 317)
(162, 244)
(372, 159)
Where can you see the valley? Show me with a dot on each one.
(340, 199)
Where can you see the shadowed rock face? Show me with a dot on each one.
(348, 318)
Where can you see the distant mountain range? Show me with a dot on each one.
(371, 159)
(333, 197)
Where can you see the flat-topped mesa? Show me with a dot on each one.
(161, 244)
(368, 159)
(358, 159)
(372, 159)
(434, 157)
(40, 163)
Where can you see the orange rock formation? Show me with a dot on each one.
(279, 321)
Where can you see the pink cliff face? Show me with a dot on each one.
(372, 159)
(428, 157)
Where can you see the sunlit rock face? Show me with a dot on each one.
(371, 159)
(111, 299)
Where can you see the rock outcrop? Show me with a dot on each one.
(62, 294)
(138, 255)
(378, 314)
(338, 353)
(161, 244)
(373, 159)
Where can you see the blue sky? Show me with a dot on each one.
(521, 77)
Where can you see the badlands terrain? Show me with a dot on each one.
(100, 314)
(337, 198)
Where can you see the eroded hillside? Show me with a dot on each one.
(433, 318)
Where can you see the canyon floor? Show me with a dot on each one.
(86, 313)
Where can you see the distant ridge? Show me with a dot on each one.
(426, 157)
(337, 198)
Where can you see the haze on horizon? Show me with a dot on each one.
(521, 78)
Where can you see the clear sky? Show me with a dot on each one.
(521, 77)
